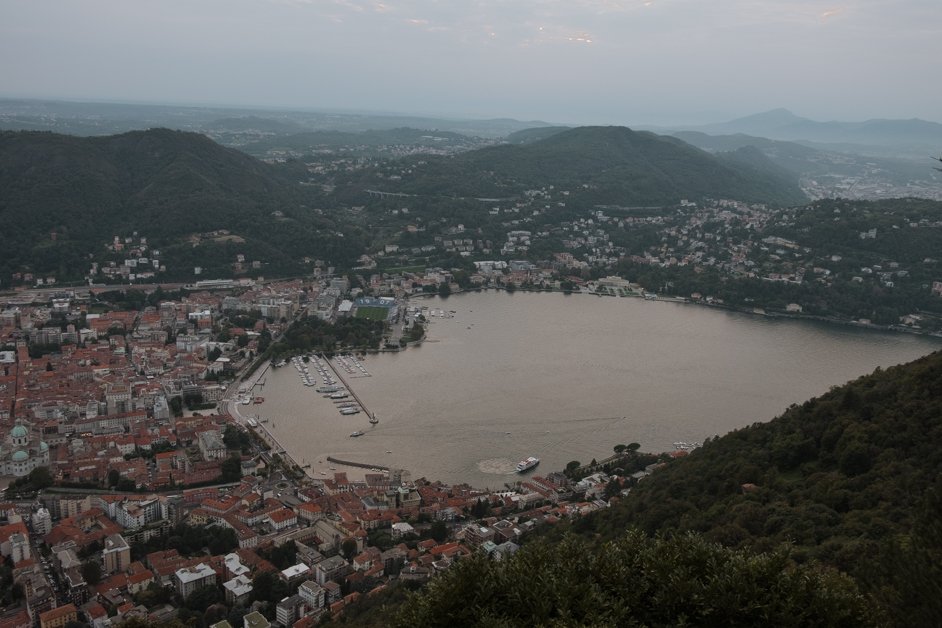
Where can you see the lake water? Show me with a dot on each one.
(564, 378)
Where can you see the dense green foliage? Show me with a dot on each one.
(313, 334)
(612, 165)
(162, 184)
(636, 581)
(189, 540)
(236, 438)
(36, 480)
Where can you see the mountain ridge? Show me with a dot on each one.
(602, 165)
(65, 195)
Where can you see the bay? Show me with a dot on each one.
(510, 375)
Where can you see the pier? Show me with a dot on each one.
(350, 390)
(361, 465)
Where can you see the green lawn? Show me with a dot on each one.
(372, 313)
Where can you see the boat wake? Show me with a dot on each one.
(497, 466)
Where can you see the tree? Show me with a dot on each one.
(348, 548)
(113, 477)
(267, 587)
(444, 290)
(231, 469)
(439, 531)
(91, 571)
(236, 438)
(202, 598)
(571, 466)
(126, 484)
(620, 448)
(633, 447)
(636, 580)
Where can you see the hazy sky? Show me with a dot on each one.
(577, 61)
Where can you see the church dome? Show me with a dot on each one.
(20, 456)
(43, 446)
(19, 431)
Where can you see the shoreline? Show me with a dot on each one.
(338, 450)
(354, 470)
(717, 306)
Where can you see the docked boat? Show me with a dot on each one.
(356, 433)
(526, 465)
(349, 411)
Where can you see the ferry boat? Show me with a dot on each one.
(526, 465)
(356, 433)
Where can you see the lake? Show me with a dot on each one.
(562, 378)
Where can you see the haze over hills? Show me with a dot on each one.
(81, 118)
(885, 137)
(610, 165)
(827, 173)
(365, 142)
(868, 160)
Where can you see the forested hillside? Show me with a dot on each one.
(65, 197)
(600, 165)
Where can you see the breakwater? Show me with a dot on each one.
(361, 465)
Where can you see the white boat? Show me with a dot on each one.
(373, 419)
(356, 433)
(526, 465)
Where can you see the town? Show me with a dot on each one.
(137, 489)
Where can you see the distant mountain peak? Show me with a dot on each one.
(778, 116)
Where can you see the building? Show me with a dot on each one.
(116, 554)
(289, 610)
(296, 573)
(21, 452)
(331, 569)
(42, 521)
(238, 590)
(312, 594)
(255, 620)
(211, 445)
(189, 579)
(58, 617)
